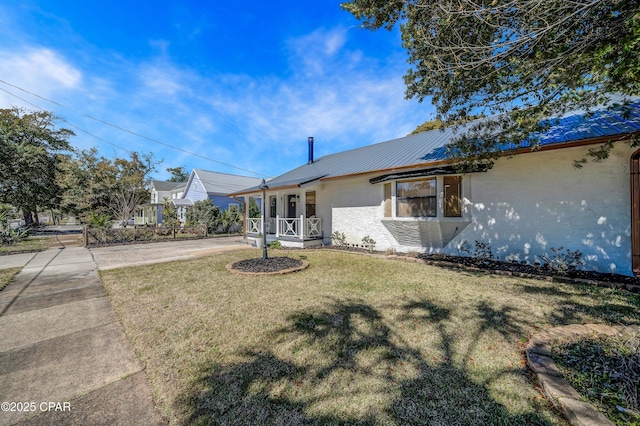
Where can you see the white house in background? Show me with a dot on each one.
(405, 195)
(202, 185)
(160, 190)
(151, 213)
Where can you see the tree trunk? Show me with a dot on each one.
(28, 218)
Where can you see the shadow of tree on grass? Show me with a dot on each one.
(342, 363)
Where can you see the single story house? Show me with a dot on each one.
(202, 185)
(406, 196)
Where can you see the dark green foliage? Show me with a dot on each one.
(98, 185)
(178, 174)
(516, 61)
(204, 213)
(254, 209)
(30, 156)
(169, 213)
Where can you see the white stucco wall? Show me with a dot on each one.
(523, 207)
(355, 209)
(530, 203)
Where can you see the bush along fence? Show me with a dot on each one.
(94, 236)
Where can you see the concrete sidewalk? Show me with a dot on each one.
(64, 357)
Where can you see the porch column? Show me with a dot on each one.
(302, 227)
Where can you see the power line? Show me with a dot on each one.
(64, 120)
(124, 130)
(173, 147)
(31, 93)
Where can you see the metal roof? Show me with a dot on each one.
(223, 183)
(161, 185)
(429, 147)
(182, 202)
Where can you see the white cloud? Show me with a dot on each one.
(38, 70)
(339, 95)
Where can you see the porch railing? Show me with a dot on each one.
(297, 227)
(254, 225)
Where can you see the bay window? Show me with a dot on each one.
(416, 198)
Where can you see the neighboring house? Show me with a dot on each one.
(405, 195)
(202, 185)
(162, 189)
(151, 213)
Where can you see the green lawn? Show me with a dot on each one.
(352, 339)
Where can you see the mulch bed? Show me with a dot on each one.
(271, 265)
(515, 268)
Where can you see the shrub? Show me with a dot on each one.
(99, 220)
(562, 261)
(11, 236)
(339, 239)
(204, 213)
(275, 245)
(368, 243)
(483, 250)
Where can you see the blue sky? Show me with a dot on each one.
(240, 83)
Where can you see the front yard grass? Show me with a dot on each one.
(29, 244)
(6, 276)
(352, 339)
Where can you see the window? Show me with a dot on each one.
(453, 196)
(310, 204)
(387, 199)
(416, 198)
(272, 206)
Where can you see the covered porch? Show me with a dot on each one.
(299, 232)
(289, 217)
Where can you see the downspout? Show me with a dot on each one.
(244, 217)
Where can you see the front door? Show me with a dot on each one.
(291, 206)
(635, 212)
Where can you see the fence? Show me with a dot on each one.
(107, 236)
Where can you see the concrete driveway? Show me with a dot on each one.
(141, 254)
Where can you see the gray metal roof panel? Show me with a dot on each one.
(428, 147)
(161, 185)
(223, 183)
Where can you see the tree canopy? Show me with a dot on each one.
(30, 155)
(518, 61)
(99, 185)
(178, 174)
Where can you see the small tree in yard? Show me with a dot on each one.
(169, 213)
(230, 220)
(254, 210)
(204, 213)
